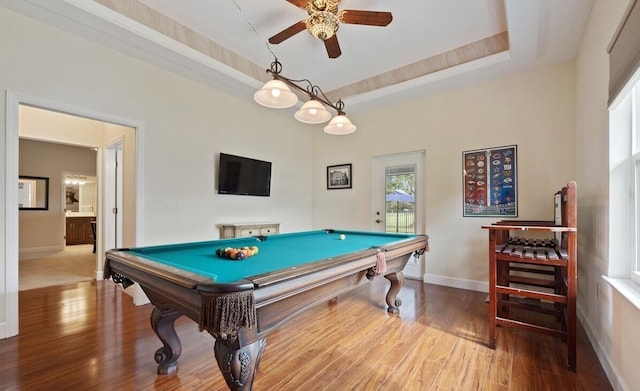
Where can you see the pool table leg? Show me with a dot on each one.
(238, 365)
(167, 356)
(397, 282)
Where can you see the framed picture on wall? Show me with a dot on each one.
(72, 198)
(490, 182)
(339, 177)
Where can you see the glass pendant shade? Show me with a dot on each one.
(276, 95)
(340, 125)
(312, 112)
(322, 24)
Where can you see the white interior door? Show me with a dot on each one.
(113, 196)
(113, 212)
(398, 199)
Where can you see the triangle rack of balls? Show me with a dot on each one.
(237, 253)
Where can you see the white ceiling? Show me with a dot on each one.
(223, 43)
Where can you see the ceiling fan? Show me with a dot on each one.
(324, 20)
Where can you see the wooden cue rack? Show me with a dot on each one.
(529, 273)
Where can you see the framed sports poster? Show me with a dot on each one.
(490, 185)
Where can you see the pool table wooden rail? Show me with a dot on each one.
(276, 302)
(278, 297)
(391, 252)
(181, 277)
(165, 284)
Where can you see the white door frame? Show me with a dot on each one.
(415, 268)
(9, 322)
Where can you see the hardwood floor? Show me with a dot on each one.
(89, 336)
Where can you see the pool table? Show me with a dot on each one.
(240, 301)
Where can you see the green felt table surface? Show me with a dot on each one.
(275, 252)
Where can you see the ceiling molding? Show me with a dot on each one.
(179, 33)
(449, 59)
(168, 27)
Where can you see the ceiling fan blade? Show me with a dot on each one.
(370, 18)
(299, 3)
(287, 33)
(333, 47)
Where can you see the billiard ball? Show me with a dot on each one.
(342, 236)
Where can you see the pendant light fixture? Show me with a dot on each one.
(277, 94)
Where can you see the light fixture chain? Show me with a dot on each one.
(266, 43)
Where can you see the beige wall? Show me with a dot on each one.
(535, 111)
(186, 125)
(611, 320)
(43, 230)
(57, 127)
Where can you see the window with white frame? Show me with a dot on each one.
(624, 186)
(624, 149)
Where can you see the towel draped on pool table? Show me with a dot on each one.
(222, 314)
(381, 263)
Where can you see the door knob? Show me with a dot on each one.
(378, 221)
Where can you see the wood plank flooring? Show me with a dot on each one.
(89, 336)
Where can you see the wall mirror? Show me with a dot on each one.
(81, 196)
(33, 193)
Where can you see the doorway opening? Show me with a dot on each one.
(56, 242)
(398, 199)
(131, 131)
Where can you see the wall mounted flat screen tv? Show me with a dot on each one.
(243, 176)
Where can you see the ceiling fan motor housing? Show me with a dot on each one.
(322, 5)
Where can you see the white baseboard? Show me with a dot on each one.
(129, 290)
(38, 252)
(3, 330)
(139, 297)
(609, 370)
(471, 285)
(137, 294)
